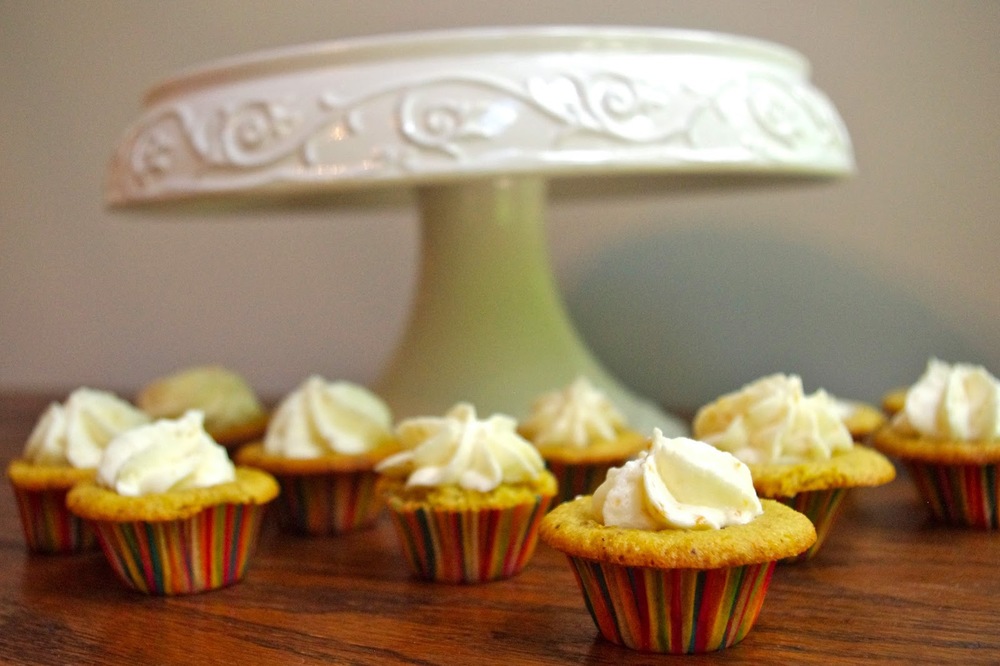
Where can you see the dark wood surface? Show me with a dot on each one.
(888, 586)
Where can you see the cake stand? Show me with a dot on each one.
(478, 127)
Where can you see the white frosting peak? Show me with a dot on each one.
(168, 454)
(959, 401)
(322, 417)
(577, 416)
(678, 483)
(772, 420)
(459, 449)
(76, 432)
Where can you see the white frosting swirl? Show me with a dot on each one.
(76, 432)
(461, 450)
(578, 415)
(168, 454)
(323, 417)
(960, 402)
(677, 483)
(772, 420)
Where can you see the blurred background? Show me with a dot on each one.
(852, 284)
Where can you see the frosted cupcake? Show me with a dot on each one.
(580, 435)
(466, 496)
(797, 446)
(322, 444)
(63, 449)
(233, 413)
(948, 436)
(171, 512)
(674, 551)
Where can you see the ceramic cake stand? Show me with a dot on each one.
(479, 125)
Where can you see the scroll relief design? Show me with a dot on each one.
(475, 121)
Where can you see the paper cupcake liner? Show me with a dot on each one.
(821, 507)
(206, 551)
(960, 495)
(676, 611)
(328, 503)
(471, 546)
(577, 480)
(48, 525)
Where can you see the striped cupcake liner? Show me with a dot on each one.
(960, 495)
(821, 507)
(204, 552)
(48, 525)
(675, 611)
(473, 546)
(318, 504)
(577, 480)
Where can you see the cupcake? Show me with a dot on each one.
(860, 418)
(674, 551)
(466, 496)
(948, 436)
(580, 435)
(63, 449)
(171, 512)
(797, 446)
(322, 444)
(233, 413)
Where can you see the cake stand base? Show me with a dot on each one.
(487, 325)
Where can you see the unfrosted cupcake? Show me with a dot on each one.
(171, 513)
(581, 435)
(466, 496)
(948, 436)
(63, 449)
(860, 418)
(797, 446)
(322, 444)
(233, 413)
(674, 551)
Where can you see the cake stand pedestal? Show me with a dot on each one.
(478, 123)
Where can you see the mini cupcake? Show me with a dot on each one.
(171, 513)
(948, 436)
(797, 446)
(860, 418)
(466, 496)
(581, 435)
(322, 444)
(674, 552)
(233, 413)
(63, 449)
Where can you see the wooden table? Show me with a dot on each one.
(888, 586)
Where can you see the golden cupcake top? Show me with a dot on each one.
(233, 412)
(461, 450)
(579, 424)
(951, 415)
(682, 504)
(773, 421)
(321, 418)
(76, 432)
(165, 470)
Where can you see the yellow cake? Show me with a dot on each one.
(580, 435)
(62, 450)
(947, 434)
(797, 446)
(466, 496)
(233, 412)
(323, 443)
(674, 551)
(171, 512)
(861, 418)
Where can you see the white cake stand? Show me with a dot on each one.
(478, 124)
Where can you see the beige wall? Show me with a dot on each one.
(851, 284)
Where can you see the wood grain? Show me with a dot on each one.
(888, 586)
